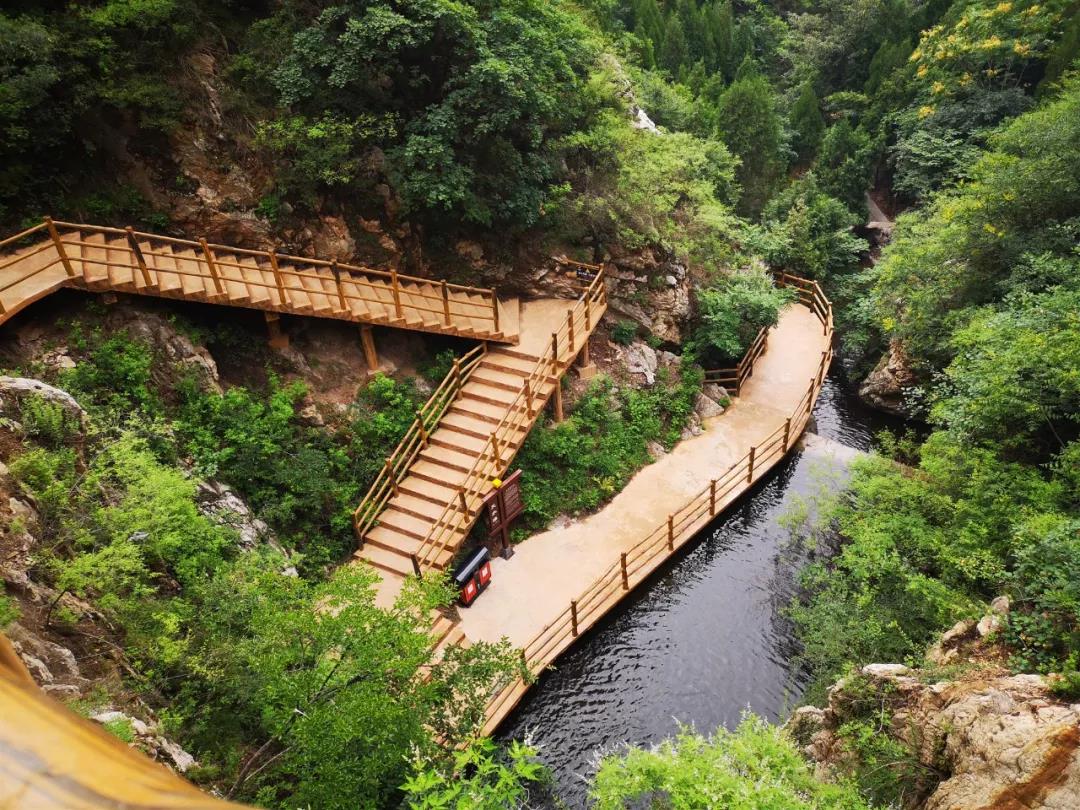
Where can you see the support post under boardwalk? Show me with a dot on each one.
(573, 616)
(367, 341)
(750, 467)
(625, 576)
(279, 339)
(556, 401)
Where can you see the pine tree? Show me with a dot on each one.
(697, 34)
(750, 127)
(649, 22)
(674, 53)
(807, 122)
(718, 21)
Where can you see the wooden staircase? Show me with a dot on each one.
(52, 255)
(419, 511)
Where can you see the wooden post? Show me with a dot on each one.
(446, 303)
(60, 247)
(457, 376)
(750, 468)
(557, 401)
(367, 342)
(278, 338)
(461, 499)
(671, 532)
(570, 329)
(416, 566)
(783, 278)
(573, 616)
(495, 445)
(588, 316)
(821, 371)
(337, 282)
(420, 427)
(495, 309)
(389, 469)
(810, 398)
(277, 278)
(555, 352)
(787, 432)
(712, 498)
(528, 397)
(213, 267)
(139, 258)
(396, 290)
(625, 576)
(583, 358)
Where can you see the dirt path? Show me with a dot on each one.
(553, 567)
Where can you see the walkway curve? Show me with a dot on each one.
(562, 581)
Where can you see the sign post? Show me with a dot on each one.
(503, 504)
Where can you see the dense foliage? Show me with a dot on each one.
(752, 767)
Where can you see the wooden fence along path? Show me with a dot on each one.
(636, 564)
(52, 255)
(419, 510)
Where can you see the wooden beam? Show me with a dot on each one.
(279, 339)
(556, 402)
(60, 247)
(367, 341)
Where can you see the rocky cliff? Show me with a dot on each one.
(971, 733)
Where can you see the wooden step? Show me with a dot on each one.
(320, 301)
(499, 379)
(477, 409)
(194, 272)
(256, 280)
(163, 263)
(386, 560)
(501, 358)
(462, 442)
(121, 263)
(466, 424)
(478, 390)
(437, 473)
(434, 493)
(95, 273)
(297, 296)
(419, 507)
(404, 523)
(453, 459)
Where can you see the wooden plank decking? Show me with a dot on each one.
(45, 258)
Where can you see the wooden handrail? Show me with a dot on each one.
(633, 565)
(456, 518)
(427, 420)
(427, 295)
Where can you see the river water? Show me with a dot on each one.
(705, 639)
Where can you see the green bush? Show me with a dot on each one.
(624, 332)
(753, 767)
(578, 465)
(731, 312)
(47, 422)
(115, 375)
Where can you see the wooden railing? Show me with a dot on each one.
(638, 562)
(735, 377)
(501, 445)
(209, 260)
(397, 464)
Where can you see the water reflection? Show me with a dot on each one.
(705, 639)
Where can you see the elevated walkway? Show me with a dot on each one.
(419, 511)
(53, 255)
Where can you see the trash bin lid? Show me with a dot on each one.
(467, 569)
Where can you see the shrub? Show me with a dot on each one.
(624, 332)
(754, 766)
(732, 311)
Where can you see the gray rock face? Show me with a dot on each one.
(1002, 740)
(640, 358)
(218, 502)
(706, 407)
(174, 346)
(15, 389)
(148, 737)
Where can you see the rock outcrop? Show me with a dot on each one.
(998, 741)
(890, 385)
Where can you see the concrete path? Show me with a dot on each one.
(549, 569)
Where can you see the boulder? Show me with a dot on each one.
(15, 389)
(888, 386)
(706, 407)
(218, 502)
(640, 358)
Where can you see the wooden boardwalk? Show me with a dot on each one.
(419, 511)
(53, 255)
(560, 584)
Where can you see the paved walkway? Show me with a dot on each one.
(549, 569)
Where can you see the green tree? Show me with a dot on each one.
(843, 165)
(807, 122)
(749, 125)
(732, 311)
(480, 776)
(675, 52)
